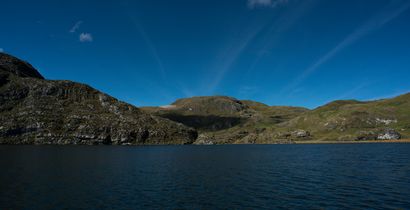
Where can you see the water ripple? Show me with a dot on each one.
(368, 176)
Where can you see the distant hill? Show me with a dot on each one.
(38, 111)
(221, 119)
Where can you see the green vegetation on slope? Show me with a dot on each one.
(343, 120)
(354, 120)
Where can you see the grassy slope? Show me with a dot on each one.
(346, 120)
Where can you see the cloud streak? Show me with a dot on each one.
(150, 45)
(229, 57)
(265, 3)
(278, 28)
(86, 37)
(76, 26)
(233, 52)
(1, 50)
(371, 25)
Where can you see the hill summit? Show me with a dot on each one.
(18, 67)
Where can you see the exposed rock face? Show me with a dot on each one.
(204, 139)
(386, 121)
(300, 134)
(385, 134)
(389, 134)
(38, 111)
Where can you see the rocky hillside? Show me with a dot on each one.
(38, 111)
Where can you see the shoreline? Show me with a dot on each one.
(294, 142)
(353, 142)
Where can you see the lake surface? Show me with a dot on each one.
(326, 176)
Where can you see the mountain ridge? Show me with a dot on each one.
(34, 110)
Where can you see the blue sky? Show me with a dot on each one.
(280, 52)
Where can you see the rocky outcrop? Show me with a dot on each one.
(300, 134)
(389, 134)
(38, 111)
(204, 139)
(384, 134)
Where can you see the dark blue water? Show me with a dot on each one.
(327, 176)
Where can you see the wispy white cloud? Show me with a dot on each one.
(371, 25)
(228, 57)
(157, 87)
(265, 3)
(352, 92)
(150, 45)
(86, 37)
(76, 26)
(278, 28)
(1, 50)
(232, 52)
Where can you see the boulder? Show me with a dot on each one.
(300, 133)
